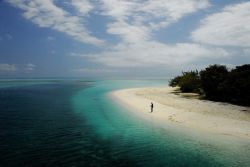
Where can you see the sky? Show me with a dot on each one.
(121, 38)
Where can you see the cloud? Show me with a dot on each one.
(155, 54)
(94, 70)
(8, 68)
(82, 7)
(230, 27)
(247, 52)
(134, 22)
(30, 67)
(73, 54)
(149, 10)
(46, 14)
(137, 20)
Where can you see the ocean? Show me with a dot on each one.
(75, 123)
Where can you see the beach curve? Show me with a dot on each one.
(199, 115)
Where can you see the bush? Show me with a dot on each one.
(175, 81)
(218, 83)
(237, 86)
(188, 82)
(212, 79)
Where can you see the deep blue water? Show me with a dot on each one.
(75, 123)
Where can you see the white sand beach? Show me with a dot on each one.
(169, 108)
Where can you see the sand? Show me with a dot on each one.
(178, 110)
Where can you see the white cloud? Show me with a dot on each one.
(149, 54)
(30, 67)
(230, 27)
(74, 54)
(8, 68)
(94, 70)
(136, 20)
(247, 52)
(83, 7)
(45, 13)
(129, 33)
(133, 21)
(172, 10)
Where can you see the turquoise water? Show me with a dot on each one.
(75, 123)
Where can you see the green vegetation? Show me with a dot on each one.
(188, 81)
(217, 83)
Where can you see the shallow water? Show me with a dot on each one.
(75, 123)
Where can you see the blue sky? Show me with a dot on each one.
(120, 38)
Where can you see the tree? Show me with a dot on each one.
(217, 83)
(188, 82)
(238, 85)
(212, 81)
(175, 81)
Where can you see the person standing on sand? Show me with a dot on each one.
(152, 106)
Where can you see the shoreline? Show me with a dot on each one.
(190, 113)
